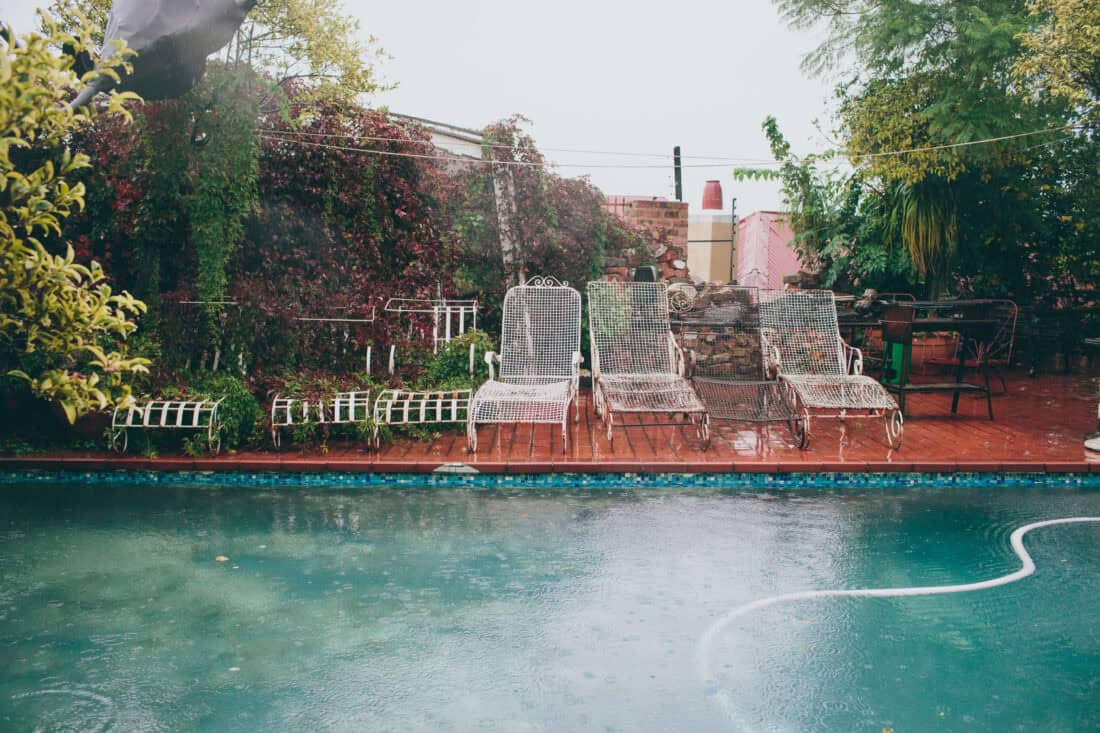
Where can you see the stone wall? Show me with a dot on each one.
(722, 352)
(723, 332)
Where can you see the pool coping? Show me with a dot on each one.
(345, 464)
(561, 480)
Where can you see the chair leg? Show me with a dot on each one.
(988, 394)
(894, 422)
(471, 437)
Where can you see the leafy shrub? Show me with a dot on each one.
(311, 384)
(63, 327)
(240, 411)
(315, 386)
(450, 369)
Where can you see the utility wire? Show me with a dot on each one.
(283, 137)
(715, 158)
(950, 146)
(453, 158)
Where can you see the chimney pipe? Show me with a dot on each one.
(712, 196)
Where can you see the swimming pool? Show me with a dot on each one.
(543, 609)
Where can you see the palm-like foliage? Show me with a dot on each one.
(924, 217)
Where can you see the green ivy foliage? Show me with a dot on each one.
(223, 182)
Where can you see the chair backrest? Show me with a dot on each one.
(996, 344)
(801, 325)
(988, 343)
(629, 328)
(540, 333)
(897, 325)
(897, 343)
(723, 333)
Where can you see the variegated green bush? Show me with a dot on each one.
(61, 327)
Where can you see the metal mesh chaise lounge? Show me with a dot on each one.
(802, 340)
(637, 366)
(721, 335)
(539, 360)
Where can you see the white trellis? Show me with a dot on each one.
(450, 318)
(342, 408)
(403, 407)
(166, 415)
(367, 317)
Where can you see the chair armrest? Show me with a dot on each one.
(770, 353)
(490, 357)
(577, 361)
(690, 362)
(679, 363)
(853, 357)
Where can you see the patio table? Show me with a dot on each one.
(965, 326)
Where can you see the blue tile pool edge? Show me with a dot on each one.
(274, 480)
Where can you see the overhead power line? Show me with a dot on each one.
(454, 158)
(949, 146)
(506, 146)
(295, 138)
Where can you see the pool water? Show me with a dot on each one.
(541, 610)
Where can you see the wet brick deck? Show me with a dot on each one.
(1039, 426)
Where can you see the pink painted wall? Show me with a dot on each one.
(764, 251)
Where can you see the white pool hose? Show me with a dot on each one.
(706, 641)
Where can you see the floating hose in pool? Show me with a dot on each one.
(706, 641)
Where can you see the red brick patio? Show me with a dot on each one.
(1039, 426)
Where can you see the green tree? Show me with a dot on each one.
(311, 41)
(1062, 56)
(841, 222)
(60, 321)
(934, 119)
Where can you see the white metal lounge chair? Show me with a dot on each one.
(539, 360)
(637, 366)
(802, 339)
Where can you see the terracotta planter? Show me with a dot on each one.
(932, 346)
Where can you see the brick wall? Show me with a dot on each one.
(668, 222)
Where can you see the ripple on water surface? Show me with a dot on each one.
(466, 609)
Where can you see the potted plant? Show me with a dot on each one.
(935, 345)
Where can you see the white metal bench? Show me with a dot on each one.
(400, 407)
(342, 408)
(166, 415)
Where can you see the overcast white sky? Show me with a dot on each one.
(604, 75)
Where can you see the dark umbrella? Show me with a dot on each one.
(172, 39)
